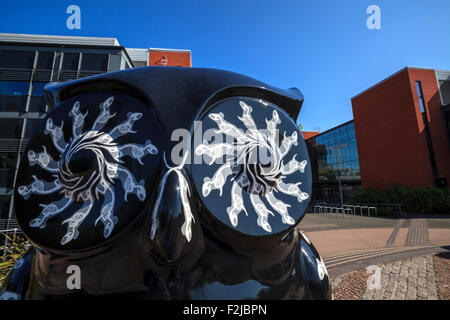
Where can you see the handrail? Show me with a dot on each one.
(10, 230)
(345, 209)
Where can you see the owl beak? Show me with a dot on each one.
(175, 233)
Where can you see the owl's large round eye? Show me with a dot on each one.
(251, 167)
(87, 171)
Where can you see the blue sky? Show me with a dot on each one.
(322, 47)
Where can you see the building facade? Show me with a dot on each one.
(160, 57)
(402, 127)
(309, 134)
(27, 64)
(334, 163)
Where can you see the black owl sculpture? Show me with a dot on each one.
(166, 183)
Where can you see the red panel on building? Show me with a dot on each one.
(309, 134)
(391, 135)
(171, 58)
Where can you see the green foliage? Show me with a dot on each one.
(415, 200)
(328, 174)
(385, 211)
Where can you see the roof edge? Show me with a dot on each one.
(331, 129)
(54, 39)
(391, 76)
(169, 50)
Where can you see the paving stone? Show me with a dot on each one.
(422, 270)
(378, 294)
(400, 294)
(430, 268)
(336, 282)
(422, 292)
(387, 268)
(401, 287)
(411, 293)
(422, 282)
(391, 284)
(387, 295)
(395, 269)
(367, 295)
(432, 293)
(409, 279)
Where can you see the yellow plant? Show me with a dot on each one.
(11, 251)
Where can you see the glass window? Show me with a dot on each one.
(38, 88)
(11, 128)
(345, 154)
(45, 60)
(8, 160)
(94, 62)
(336, 154)
(16, 59)
(70, 61)
(31, 125)
(140, 64)
(420, 95)
(37, 104)
(13, 103)
(4, 206)
(14, 88)
(7, 178)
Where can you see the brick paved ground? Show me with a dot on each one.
(332, 234)
(350, 244)
(442, 275)
(419, 278)
(350, 286)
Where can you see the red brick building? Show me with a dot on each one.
(402, 127)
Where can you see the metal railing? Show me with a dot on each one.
(361, 209)
(346, 209)
(9, 224)
(396, 206)
(328, 209)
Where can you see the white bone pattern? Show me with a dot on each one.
(101, 182)
(236, 157)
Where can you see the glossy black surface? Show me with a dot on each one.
(82, 164)
(249, 177)
(174, 243)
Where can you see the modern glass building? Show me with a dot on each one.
(27, 64)
(335, 163)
